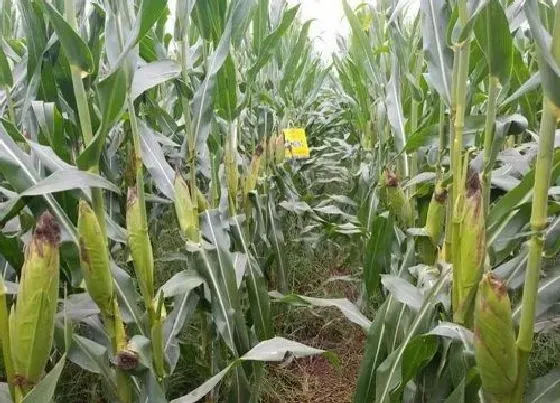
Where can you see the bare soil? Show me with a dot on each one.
(316, 379)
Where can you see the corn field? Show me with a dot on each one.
(150, 203)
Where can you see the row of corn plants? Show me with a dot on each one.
(112, 115)
(453, 116)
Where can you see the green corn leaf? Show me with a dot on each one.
(6, 79)
(271, 41)
(259, 301)
(544, 389)
(44, 390)
(491, 30)
(550, 71)
(153, 74)
(273, 350)
(76, 49)
(389, 375)
(439, 57)
(68, 179)
(20, 172)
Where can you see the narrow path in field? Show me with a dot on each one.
(323, 382)
(316, 379)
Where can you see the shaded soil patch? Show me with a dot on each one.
(316, 379)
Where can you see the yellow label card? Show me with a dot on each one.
(296, 143)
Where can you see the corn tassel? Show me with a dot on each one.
(32, 318)
(494, 343)
(394, 197)
(472, 250)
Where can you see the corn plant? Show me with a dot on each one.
(107, 119)
(445, 215)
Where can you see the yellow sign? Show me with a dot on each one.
(296, 143)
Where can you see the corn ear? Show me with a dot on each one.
(185, 210)
(32, 318)
(253, 174)
(94, 259)
(140, 245)
(397, 202)
(157, 339)
(494, 342)
(435, 218)
(5, 337)
(271, 148)
(202, 203)
(232, 174)
(280, 149)
(472, 249)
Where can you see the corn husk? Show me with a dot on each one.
(140, 245)
(494, 345)
(252, 176)
(232, 174)
(394, 197)
(32, 317)
(271, 149)
(157, 339)
(280, 149)
(435, 217)
(185, 210)
(472, 252)
(202, 203)
(94, 259)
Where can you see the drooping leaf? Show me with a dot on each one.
(403, 291)
(68, 179)
(347, 308)
(439, 57)
(549, 69)
(274, 350)
(395, 112)
(152, 74)
(154, 160)
(17, 168)
(183, 308)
